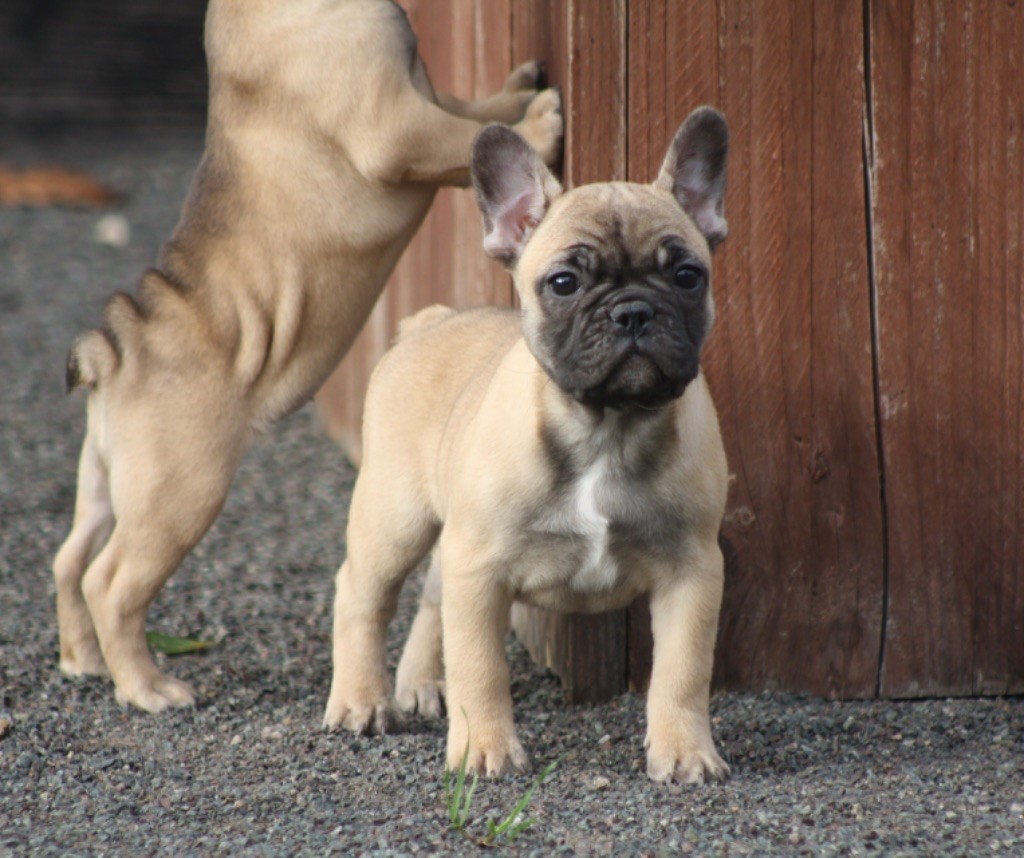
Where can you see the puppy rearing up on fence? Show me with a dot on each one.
(325, 146)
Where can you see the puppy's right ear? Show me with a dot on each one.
(513, 189)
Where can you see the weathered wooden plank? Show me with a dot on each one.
(948, 108)
(540, 31)
(790, 362)
(589, 653)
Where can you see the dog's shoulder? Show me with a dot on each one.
(425, 318)
(439, 351)
(473, 323)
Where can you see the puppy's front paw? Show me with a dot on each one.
(365, 718)
(529, 76)
(685, 762)
(491, 753)
(543, 125)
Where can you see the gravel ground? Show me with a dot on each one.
(249, 771)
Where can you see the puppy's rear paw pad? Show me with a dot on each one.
(362, 718)
(691, 767)
(426, 698)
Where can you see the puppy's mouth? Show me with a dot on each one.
(640, 378)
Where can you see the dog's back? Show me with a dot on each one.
(269, 226)
(463, 348)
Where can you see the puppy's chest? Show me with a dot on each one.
(588, 535)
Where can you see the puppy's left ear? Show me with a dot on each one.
(694, 171)
(513, 188)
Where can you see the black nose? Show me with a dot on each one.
(632, 317)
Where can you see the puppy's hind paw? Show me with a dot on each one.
(77, 665)
(162, 693)
(365, 719)
(425, 697)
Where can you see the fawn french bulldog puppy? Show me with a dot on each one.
(567, 456)
(325, 145)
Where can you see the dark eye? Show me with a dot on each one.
(564, 284)
(689, 278)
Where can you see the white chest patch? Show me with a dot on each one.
(599, 570)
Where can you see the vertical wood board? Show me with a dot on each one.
(790, 360)
(948, 177)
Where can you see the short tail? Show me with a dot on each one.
(93, 357)
(425, 318)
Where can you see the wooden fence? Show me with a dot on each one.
(868, 358)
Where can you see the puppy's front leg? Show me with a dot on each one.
(388, 534)
(419, 681)
(684, 619)
(475, 616)
(507, 106)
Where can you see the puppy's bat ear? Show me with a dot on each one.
(513, 190)
(694, 171)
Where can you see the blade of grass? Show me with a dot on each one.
(468, 798)
(170, 645)
(458, 809)
(516, 830)
(510, 820)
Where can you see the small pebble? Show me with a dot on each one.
(112, 230)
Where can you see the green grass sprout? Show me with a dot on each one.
(170, 645)
(458, 799)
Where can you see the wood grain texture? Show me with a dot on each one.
(948, 178)
(790, 362)
(540, 31)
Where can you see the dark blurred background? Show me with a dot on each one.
(101, 63)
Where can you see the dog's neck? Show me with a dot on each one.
(578, 435)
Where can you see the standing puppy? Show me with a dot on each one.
(567, 456)
(325, 146)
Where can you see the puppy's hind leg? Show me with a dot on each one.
(164, 501)
(80, 653)
(419, 681)
(388, 535)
